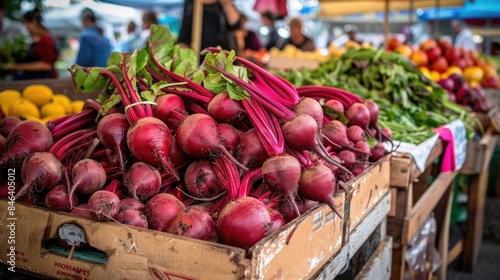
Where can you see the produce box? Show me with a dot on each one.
(114, 251)
(283, 63)
(367, 192)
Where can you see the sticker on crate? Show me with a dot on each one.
(420, 152)
(455, 152)
(71, 242)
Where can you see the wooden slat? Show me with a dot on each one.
(443, 212)
(358, 236)
(422, 209)
(420, 185)
(475, 208)
(379, 264)
(400, 171)
(455, 252)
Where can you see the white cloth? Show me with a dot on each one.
(464, 39)
(10, 30)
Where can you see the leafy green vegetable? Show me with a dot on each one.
(215, 80)
(407, 99)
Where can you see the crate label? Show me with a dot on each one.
(318, 220)
(72, 234)
(420, 152)
(329, 217)
(68, 271)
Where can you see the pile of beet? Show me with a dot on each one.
(228, 153)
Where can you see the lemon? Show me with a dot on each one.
(38, 94)
(7, 97)
(77, 106)
(52, 109)
(64, 101)
(23, 107)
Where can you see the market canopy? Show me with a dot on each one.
(479, 9)
(145, 4)
(343, 7)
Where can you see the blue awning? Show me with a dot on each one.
(479, 9)
(148, 4)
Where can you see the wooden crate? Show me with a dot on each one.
(413, 200)
(134, 253)
(367, 192)
(477, 164)
(375, 220)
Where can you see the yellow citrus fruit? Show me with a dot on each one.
(425, 71)
(473, 73)
(454, 70)
(7, 97)
(52, 109)
(64, 101)
(23, 107)
(38, 94)
(77, 106)
(435, 76)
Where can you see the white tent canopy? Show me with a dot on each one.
(66, 21)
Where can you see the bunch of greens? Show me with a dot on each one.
(13, 51)
(410, 104)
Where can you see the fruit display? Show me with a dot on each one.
(439, 59)
(411, 104)
(225, 154)
(290, 51)
(37, 102)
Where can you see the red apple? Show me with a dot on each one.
(460, 63)
(431, 43)
(444, 45)
(440, 65)
(433, 53)
(453, 53)
(491, 82)
(393, 43)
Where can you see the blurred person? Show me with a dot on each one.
(297, 38)
(246, 39)
(273, 38)
(9, 29)
(220, 17)
(148, 19)
(42, 53)
(352, 33)
(130, 40)
(94, 49)
(463, 36)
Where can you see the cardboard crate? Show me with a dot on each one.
(132, 253)
(367, 191)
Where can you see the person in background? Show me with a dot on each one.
(148, 19)
(352, 32)
(39, 61)
(463, 36)
(297, 38)
(246, 39)
(220, 17)
(94, 49)
(274, 39)
(130, 40)
(9, 29)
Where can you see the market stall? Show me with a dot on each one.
(341, 167)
